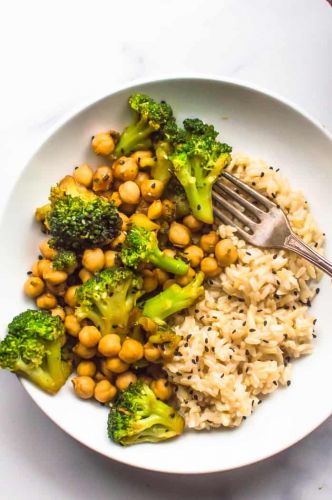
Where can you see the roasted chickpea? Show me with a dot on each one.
(86, 369)
(151, 352)
(161, 275)
(208, 242)
(84, 275)
(131, 351)
(58, 311)
(226, 253)
(44, 266)
(115, 197)
(155, 210)
(102, 179)
(162, 389)
(35, 269)
(143, 158)
(104, 391)
(150, 282)
(168, 283)
(152, 189)
(84, 352)
(147, 324)
(106, 372)
(194, 254)
(186, 278)
(125, 169)
(69, 310)
(99, 376)
(55, 277)
(34, 286)
(168, 209)
(116, 365)
(70, 296)
(109, 345)
(125, 221)
(84, 387)
(103, 144)
(46, 251)
(110, 258)
(170, 252)
(124, 380)
(210, 267)
(46, 301)
(89, 336)
(193, 223)
(129, 192)
(83, 175)
(141, 176)
(179, 235)
(93, 259)
(118, 240)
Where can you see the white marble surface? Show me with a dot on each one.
(54, 56)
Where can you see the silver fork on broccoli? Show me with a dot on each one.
(260, 222)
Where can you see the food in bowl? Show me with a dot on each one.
(170, 319)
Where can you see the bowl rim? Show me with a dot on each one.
(83, 106)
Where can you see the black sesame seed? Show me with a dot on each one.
(265, 323)
(206, 348)
(244, 323)
(315, 321)
(265, 341)
(317, 290)
(275, 256)
(259, 402)
(186, 344)
(222, 375)
(288, 383)
(252, 330)
(247, 352)
(262, 174)
(206, 341)
(153, 185)
(213, 349)
(40, 257)
(29, 272)
(277, 169)
(198, 207)
(314, 335)
(275, 383)
(189, 377)
(209, 328)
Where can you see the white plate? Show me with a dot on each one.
(253, 122)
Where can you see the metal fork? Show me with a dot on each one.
(266, 227)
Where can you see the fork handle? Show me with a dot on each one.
(294, 243)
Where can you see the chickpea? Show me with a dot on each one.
(46, 250)
(152, 189)
(150, 283)
(89, 336)
(124, 380)
(118, 240)
(226, 253)
(58, 311)
(125, 221)
(110, 258)
(44, 266)
(83, 175)
(141, 220)
(103, 144)
(161, 276)
(116, 365)
(194, 254)
(168, 283)
(70, 297)
(35, 269)
(100, 376)
(69, 310)
(162, 389)
(141, 176)
(34, 286)
(84, 275)
(86, 369)
(102, 179)
(46, 301)
(179, 235)
(84, 387)
(115, 197)
(109, 345)
(170, 252)
(155, 210)
(143, 158)
(125, 169)
(84, 352)
(104, 391)
(151, 352)
(193, 223)
(55, 277)
(147, 324)
(93, 259)
(208, 242)
(106, 372)
(131, 351)
(168, 209)
(186, 278)
(210, 267)
(129, 192)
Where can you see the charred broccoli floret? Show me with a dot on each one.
(150, 117)
(108, 298)
(65, 260)
(141, 245)
(32, 348)
(138, 416)
(197, 162)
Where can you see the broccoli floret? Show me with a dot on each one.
(175, 192)
(138, 416)
(150, 117)
(65, 260)
(167, 339)
(141, 245)
(108, 298)
(32, 348)
(173, 299)
(79, 219)
(197, 162)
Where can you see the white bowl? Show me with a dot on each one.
(253, 122)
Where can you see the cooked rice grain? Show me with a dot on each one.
(253, 319)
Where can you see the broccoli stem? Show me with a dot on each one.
(38, 376)
(163, 167)
(168, 264)
(58, 369)
(200, 201)
(135, 136)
